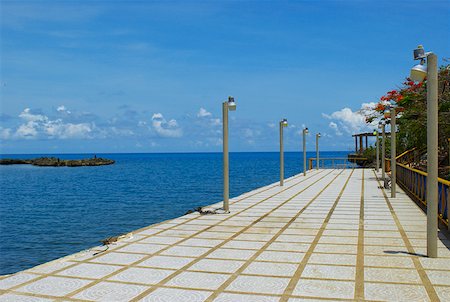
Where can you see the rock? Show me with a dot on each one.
(56, 162)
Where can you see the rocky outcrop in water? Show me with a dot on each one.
(56, 162)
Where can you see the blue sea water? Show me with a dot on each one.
(50, 212)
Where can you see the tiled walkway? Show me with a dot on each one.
(332, 235)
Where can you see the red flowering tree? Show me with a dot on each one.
(411, 101)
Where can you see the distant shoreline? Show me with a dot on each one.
(57, 162)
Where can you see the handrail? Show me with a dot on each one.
(404, 153)
(441, 180)
(333, 159)
(414, 182)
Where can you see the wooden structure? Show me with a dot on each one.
(360, 136)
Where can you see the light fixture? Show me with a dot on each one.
(284, 122)
(318, 134)
(306, 130)
(419, 71)
(231, 104)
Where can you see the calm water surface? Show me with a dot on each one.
(50, 212)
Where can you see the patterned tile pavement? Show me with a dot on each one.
(332, 235)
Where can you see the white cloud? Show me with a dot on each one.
(38, 125)
(334, 126)
(28, 116)
(203, 113)
(62, 109)
(5, 133)
(164, 128)
(348, 120)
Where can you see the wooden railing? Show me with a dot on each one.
(415, 182)
(334, 162)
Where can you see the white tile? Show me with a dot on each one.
(108, 291)
(54, 286)
(176, 295)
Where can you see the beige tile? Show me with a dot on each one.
(252, 245)
(108, 291)
(332, 259)
(271, 269)
(118, 258)
(289, 247)
(325, 289)
(198, 280)
(142, 275)
(255, 284)
(90, 270)
(166, 262)
(443, 293)
(16, 279)
(276, 256)
(9, 297)
(229, 297)
(185, 251)
(232, 254)
(54, 286)
(176, 294)
(329, 272)
(394, 292)
(439, 277)
(388, 261)
(336, 248)
(217, 266)
(392, 275)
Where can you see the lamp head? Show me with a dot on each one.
(318, 134)
(231, 104)
(284, 122)
(306, 131)
(418, 72)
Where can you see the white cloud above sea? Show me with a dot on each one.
(349, 121)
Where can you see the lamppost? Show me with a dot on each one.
(375, 132)
(317, 150)
(391, 112)
(305, 131)
(418, 73)
(383, 152)
(227, 105)
(283, 123)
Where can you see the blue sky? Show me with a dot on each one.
(124, 76)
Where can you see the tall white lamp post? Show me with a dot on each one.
(227, 105)
(317, 150)
(305, 131)
(418, 74)
(283, 123)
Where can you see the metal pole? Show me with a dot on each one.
(317, 152)
(383, 153)
(393, 154)
(304, 153)
(378, 151)
(281, 155)
(432, 156)
(226, 206)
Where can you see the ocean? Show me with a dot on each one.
(49, 212)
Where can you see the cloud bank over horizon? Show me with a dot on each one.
(134, 130)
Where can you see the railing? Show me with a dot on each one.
(335, 162)
(415, 182)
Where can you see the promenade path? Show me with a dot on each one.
(332, 235)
